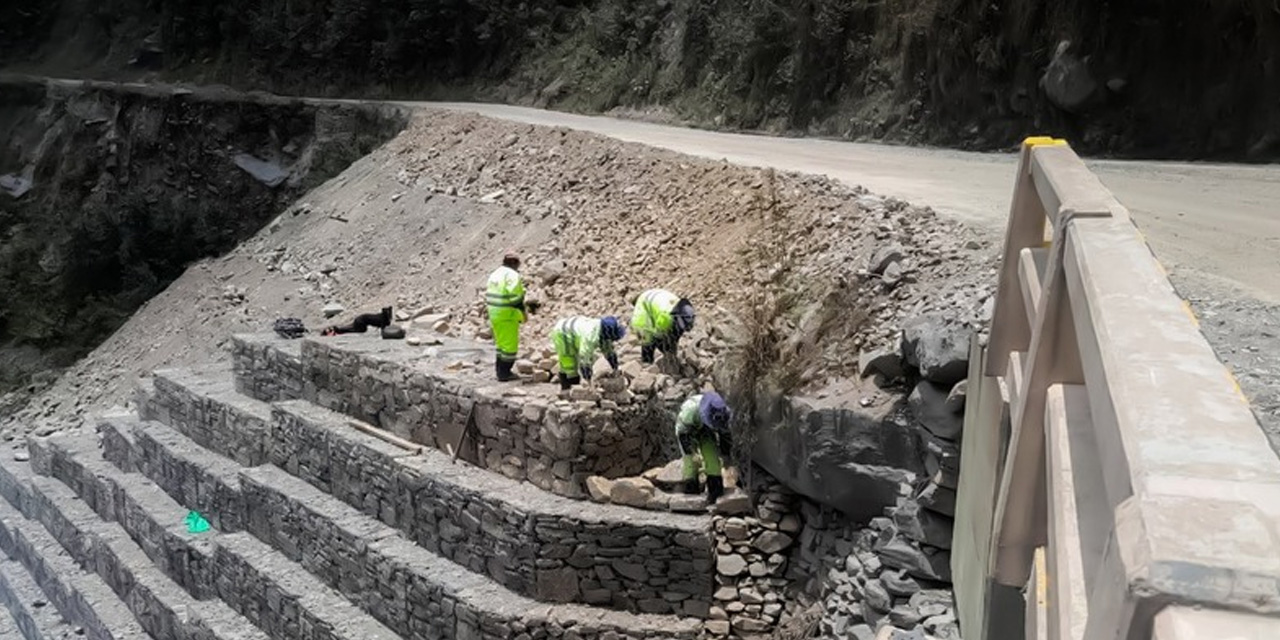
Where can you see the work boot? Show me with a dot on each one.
(504, 371)
(646, 354)
(715, 488)
(566, 382)
(691, 487)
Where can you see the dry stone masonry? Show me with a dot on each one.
(525, 433)
(320, 526)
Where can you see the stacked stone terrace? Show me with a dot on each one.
(324, 530)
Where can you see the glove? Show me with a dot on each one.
(532, 305)
(586, 372)
(613, 360)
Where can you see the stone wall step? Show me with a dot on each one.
(412, 591)
(525, 432)
(272, 592)
(532, 541)
(546, 546)
(27, 611)
(163, 608)
(204, 405)
(82, 597)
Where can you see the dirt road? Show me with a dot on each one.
(1213, 225)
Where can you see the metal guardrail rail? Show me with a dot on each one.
(1114, 480)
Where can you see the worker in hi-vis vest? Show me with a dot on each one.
(702, 428)
(660, 318)
(504, 297)
(576, 341)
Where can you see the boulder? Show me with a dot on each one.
(733, 503)
(928, 405)
(599, 488)
(858, 460)
(887, 362)
(681, 503)
(899, 584)
(1067, 81)
(772, 541)
(731, 565)
(938, 499)
(644, 383)
(923, 526)
(955, 399)
(668, 477)
(883, 257)
(551, 271)
(929, 564)
(633, 492)
(875, 595)
(736, 530)
(941, 456)
(938, 348)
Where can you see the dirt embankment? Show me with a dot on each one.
(1171, 80)
(420, 223)
(108, 194)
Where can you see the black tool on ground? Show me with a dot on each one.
(393, 332)
(289, 328)
(362, 323)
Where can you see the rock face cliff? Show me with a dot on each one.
(107, 194)
(1186, 80)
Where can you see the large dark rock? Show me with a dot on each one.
(898, 552)
(886, 362)
(938, 348)
(938, 498)
(1067, 81)
(923, 526)
(929, 406)
(852, 458)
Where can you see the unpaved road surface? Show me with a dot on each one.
(1214, 224)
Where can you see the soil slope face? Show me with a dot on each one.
(419, 224)
(1173, 80)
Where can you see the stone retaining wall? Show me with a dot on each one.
(546, 546)
(267, 367)
(411, 591)
(524, 432)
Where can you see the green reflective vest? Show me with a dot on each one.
(505, 295)
(652, 316)
(581, 336)
(688, 419)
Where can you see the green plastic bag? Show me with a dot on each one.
(196, 523)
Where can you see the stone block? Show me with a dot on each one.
(599, 488)
(634, 492)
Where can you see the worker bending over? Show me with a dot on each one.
(504, 298)
(702, 425)
(660, 318)
(576, 340)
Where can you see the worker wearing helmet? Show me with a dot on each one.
(659, 319)
(702, 426)
(504, 297)
(576, 340)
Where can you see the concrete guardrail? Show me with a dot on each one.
(1115, 483)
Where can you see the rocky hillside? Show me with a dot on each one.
(1185, 80)
(106, 195)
